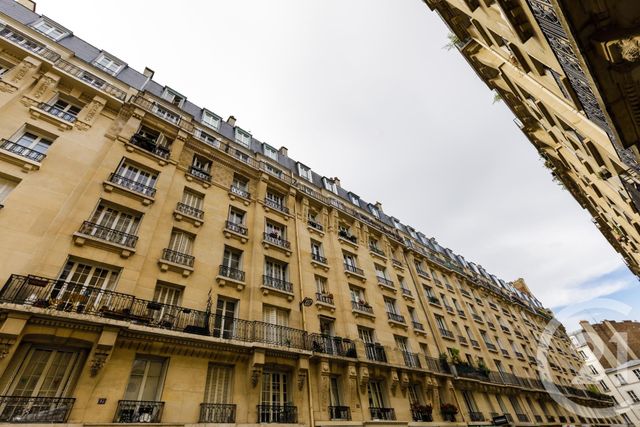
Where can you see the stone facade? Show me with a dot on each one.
(163, 266)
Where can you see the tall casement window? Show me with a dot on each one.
(6, 187)
(218, 393)
(86, 279)
(240, 186)
(366, 335)
(274, 398)
(144, 388)
(275, 199)
(232, 259)
(275, 270)
(376, 399)
(65, 108)
(277, 317)
(169, 298)
(30, 144)
(113, 223)
(135, 177)
(224, 322)
(192, 199)
(181, 242)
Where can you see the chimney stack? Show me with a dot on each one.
(284, 151)
(29, 4)
(379, 206)
(148, 73)
(336, 180)
(231, 120)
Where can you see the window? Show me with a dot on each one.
(604, 385)
(593, 369)
(236, 216)
(275, 198)
(390, 305)
(349, 260)
(4, 67)
(240, 183)
(165, 114)
(270, 152)
(636, 372)
(181, 242)
(170, 297)
(49, 29)
(64, 106)
(402, 343)
(145, 383)
(108, 64)
(113, 223)
(582, 354)
(357, 295)
(242, 137)
(415, 394)
(275, 231)
(330, 185)
(376, 396)
(633, 396)
(219, 384)
(304, 172)
(620, 379)
(381, 271)
(6, 187)
(207, 138)
(354, 199)
(210, 119)
(224, 322)
(440, 323)
(173, 97)
(275, 270)
(134, 176)
(192, 199)
(469, 401)
(316, 252)
(86, 274)
(428, 290)
(276, 316)
(374, 211)
(275, 394)
(232, 258)
(321, 285)
(366, 335)
(334, 393)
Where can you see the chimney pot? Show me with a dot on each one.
(231, 120)
(379, 206)
(336, 180)
(148, 72)
(284, 151)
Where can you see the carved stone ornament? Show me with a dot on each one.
(98, 361)
(256, 373)
(404, 381)
(302, 377)
(364, 376)
(394, 381)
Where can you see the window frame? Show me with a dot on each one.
(106, 69)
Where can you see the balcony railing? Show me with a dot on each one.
(328, 344)
(189, 210)
(132, 185)
(178, 257)
(275, 239)
(325, 298)
(284, 414)
(276, 205)
(418, 326)
(437, 365)
(376, 250)
(423, 273)
(474, 343)
(318, 258)
(434, 300)
(396, 317)
(504, 352)
(217, 413)
(348, 236)
(138, 411)
(476, 416)
(396, 263)
(150, 145)
(276, 283)
(523, 418)
(353, 269)
(108, 234)
(491, 347)
(25, 409)
(406, 292)
(476, 317)
(57, 112)
(315, 224)
(375, 352)
(236, 228)
(385, 282)
(240, 192)
(446, 333)
(21, 150)
(361, 306)
(199, 173)
(340, 413)
(462, 340)
(387, 414)
(421, 415)
(411, 359)
(231, 273)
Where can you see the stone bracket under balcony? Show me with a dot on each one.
(110, 187)
(348, 242)
(354, 275)
(180, 216)
(397, 324)
(282, 214)
(38, 114)
(364, 314)
(230, 234)
(166, 265)
(234, 196)
(268, 246)
(266, 290)
(131, 148)
(319, 265)
(224, 281)
(80, 239)
(321, 305)
(190, 177)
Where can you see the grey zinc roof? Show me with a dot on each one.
(17, 11)
(80, 48)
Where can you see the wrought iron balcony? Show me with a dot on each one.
(276, 205)
(361, 306)
(57, 112)
(474, 343)
(231, 273)
(462, 340)
(385, 282)
(236, 228)
(26, 409)
(476, 317)
(108, 234)
(284, 414)
(406, 292)
(519, 355)
(493, 306)
(446, 333)
(448, 308)
(491, 347)
(150, 145)
(491, 325)
(505, 329)
(418, 326)
(21, 150)
(411, 359)
(421, 415)
(318, 258)
(396, 263)
(434, 300)
(353, 269)
(375, 351)
(275, 239)
(138, 411)
(423, 273)
(327, 344)
(276, 283)
(465, 293)
(190, 210)
(523, 418)
(217, 413)
(396, 317)
(178, 257)
(387, 414)
(461, 313)
(199, 173)
(376, 250)
(132, 185)
(504, 352)
(340, 413)
(348, 236)
(315, 224)
(240, 192)
(476, 416)
(325, 298)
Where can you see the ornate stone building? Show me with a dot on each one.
(569, 72)
(162, 265)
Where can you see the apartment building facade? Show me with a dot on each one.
(568, 71)
(162, 265)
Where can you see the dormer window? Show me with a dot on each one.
(108, 64)
(270, 152)
(243, 138)
(374, 211)
(330, 185)
(210, 119)
(354, 199)
(173, 97)
(51, 30)
(304, 172)
(396, 223)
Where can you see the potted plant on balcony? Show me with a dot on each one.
(422, 412)
(455, 356)
(444, 360)
(449, 411)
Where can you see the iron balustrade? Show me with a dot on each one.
(504, 352)
(538, 418)
(448, 308)
(474, 343)
(276, 283)
(449, 287)
(315, 224)
(231, 273)
(411, 359)
(132, 185)
(491, 325)
(505, 329)
(239, 192)
(340, 413)
(465, 293)
(423, 273)
(437, 365)
(550, 418)
(325, 298)
(387, 414)
(318, 258)
(151, 145)
(353, 269)
(27, 409)
(385, 282)
(461, 313)
(406, 292)
(446, 333)
(468, 371)
(476, 416)
(276, 205)
(57, 112)
(421, 415)
(376, 250)
(523, 418)
(328, 344)
(21, 150)
(236, 228)
(199, 173)
(396, 263)
(462, 340)
(519, 355)
(138, 411)
(476, 317)
(348, 236)
(190, 210)
(163, 112)
(285, 414)
(361, 306)
(217, 413)
(418, 326)
(493, 306)
(178, 257)
(395, 317)
(438, 282)
(108, 234)
(275, 239)
(434, 300)
(375, 351)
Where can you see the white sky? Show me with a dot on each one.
(364, 90)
